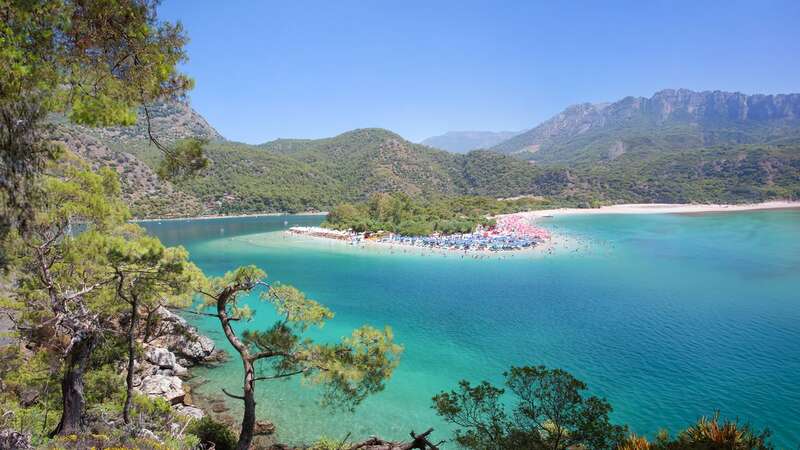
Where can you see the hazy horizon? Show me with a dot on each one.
(268, 70)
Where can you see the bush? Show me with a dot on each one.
(104, 385)
(209, 431)
(327, 443)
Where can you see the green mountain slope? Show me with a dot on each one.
(300, 175)
(669, 121)
(674, 162)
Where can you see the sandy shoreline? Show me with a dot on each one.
(631, 208)
(660, 208)
(559, 241)
(542, 248)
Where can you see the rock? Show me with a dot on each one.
(189, 411)
(183, 339)
(199, 348)
(143, 369)
(187, 398)
(167, 387)
(28, 397)
(219, 407)
(10, 439)
(180, 371)
(147, 434)
(227, 419)
(263, 428)
(161, 357)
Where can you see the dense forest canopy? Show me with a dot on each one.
(316, 175)
(404, 215)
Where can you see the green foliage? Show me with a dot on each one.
(152, 407)
(401, 214)
(707, 434)
(112, 349)
(210, 431)
(187, 158)
(328, 443)
(93, 60)
(101, 111)
(104, 384)
(549, 412)
(29, 391)
(298, 310)
(349, 370)
(81, 266)
(309, 175)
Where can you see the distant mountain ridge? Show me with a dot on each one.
(669, 120)
(675, 147)
(465, 141)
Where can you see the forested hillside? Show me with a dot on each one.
(636, 150)
(301, 175)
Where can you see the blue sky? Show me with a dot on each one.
(269, 69)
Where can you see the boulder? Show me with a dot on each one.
(183, 339)
(13, 440)
(263, 428)
(189, 411)
(198, 348)
(144, 433)
(28, 397)
(170, 388)
(219, 407)
(161, 357)
(227, 419)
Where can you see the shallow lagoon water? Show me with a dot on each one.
(669, 317)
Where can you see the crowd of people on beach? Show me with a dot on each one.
(510, 232)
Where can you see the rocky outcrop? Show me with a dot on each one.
(10, 439)
(263, 428)
(165, 360)
(140, 184)
(170, 388)
(182, 339)
(189, 411)
(671, 119)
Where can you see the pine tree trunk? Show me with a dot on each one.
(126, 409)
(73, 401)
(249, 418)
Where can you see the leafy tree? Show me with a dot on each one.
(81, 266)
(409, 216)
(350, 370)
(64, 275)
(147, 276)
(95, 61)
(549, 412)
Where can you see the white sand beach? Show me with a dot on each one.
(662, 208)
(558, 243)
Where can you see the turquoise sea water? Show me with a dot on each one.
(667, 316)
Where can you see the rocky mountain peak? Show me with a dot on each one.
(710, 113)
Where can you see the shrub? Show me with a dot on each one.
(209, 431)
(327, 443)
